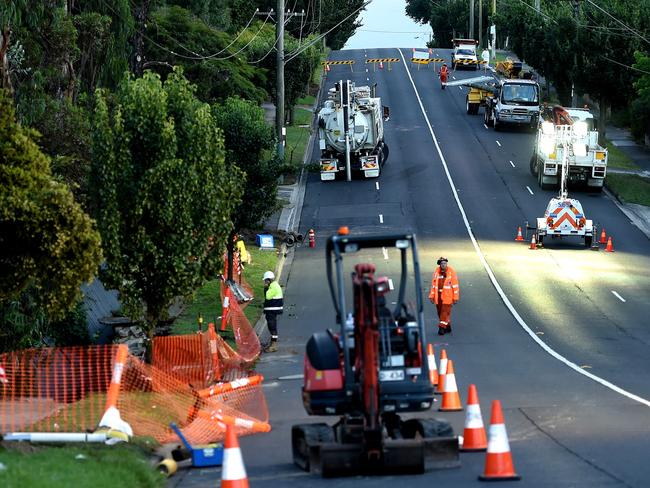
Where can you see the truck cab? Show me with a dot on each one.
(464, 53)
(515, 103)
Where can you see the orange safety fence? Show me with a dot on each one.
(67, 390)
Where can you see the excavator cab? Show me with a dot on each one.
(372, 367)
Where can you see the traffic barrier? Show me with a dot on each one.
(498, 460)
(450, 397)
(442, 371)
(519, 236)
(610, 246)
(474, 438)
(603, 237)
(111, 418)
(224, 309)
(433, 370)
(533, 243)
(233, 473)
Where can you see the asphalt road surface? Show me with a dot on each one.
(560, 335)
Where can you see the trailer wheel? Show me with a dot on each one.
(306, 436)
(588, 240)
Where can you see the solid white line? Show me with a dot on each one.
(618, 296)
(381, 219)
(291, 377)
(493, 278)
(498, 144)
(385, 252)
(529, 190)
(377, 185)
(512, 164)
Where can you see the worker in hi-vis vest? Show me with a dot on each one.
(273, 306)
(444, 293)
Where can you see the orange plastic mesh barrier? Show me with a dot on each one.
(65, 390)
(187, 357)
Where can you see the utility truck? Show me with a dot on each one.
(464, 53)
(351, 132)
(586, 158)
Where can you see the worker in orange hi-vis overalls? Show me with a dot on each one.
(444, 293)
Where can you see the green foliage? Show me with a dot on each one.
(641, 106)
(630, 188)
(215, 13)
(163, 193)
(446, 18)
(46, 241)
(249, 140)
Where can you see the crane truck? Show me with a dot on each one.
(370, 369)
(587, 159)
(351, 132)
(464, 53)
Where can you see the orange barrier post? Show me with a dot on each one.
(498, 460)
(225, 308)
(474, 438)
(533, 243)
(442, 372)
(250, 425)
(610, 246)
(233, 473)
(111, 417)
(450, 397)
(433, 370)
(603, 237)
(214, 352)
(519, 236)
(230, 386)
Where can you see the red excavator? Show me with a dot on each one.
(373, 368)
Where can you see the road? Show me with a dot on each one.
(530, 326)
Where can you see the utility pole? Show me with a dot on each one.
(493, 31)
(140, 14)
(279, 68)
(574, 95)
(538, 5)
(480, 23)
(471, 19)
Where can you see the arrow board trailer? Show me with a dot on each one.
(351, 132)
(564, 217)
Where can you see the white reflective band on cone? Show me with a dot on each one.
(431, 359)
(498, 439)
(443, 365)
(450, 383)
(233, 465)
(473, 419)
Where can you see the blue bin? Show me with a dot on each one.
(265, 241)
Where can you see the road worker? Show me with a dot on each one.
(443, 73)
(273, 306)
(444, 293)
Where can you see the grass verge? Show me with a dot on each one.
(617, 158)
(94, 465)
(629, 188)
(207, 302)
(298, 136)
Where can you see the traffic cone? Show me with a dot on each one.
(533, 243)
(498, 460)
(603, 237)
(519, 236)
(610, 246)
(381, 65)
(225, 309)
(450, 397)
(233, 473)
(474, 438)
(433, 370)
(327, 67)
(442, 372)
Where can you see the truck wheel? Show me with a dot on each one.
(588, 241)
(533, 165)
(486, 117)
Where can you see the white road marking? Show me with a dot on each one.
(512, 164)
(618, 296)
(460, 88)
(498, 144)
(291, 377)
(485, 125)
(493, 278)
(377, 185)
(381, 219)
(385, 252)
(390, 284)
(453, 77)
(529, 190)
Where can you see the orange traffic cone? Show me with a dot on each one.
(225, 309)
(433, 370)
(610, 246)
(381, 65)
(442, 372)
(474, 438)
(519, 236)
(603, 237)
(233, 473)
(450, 397)
(498, 460)
(533, 243)
(327, 67)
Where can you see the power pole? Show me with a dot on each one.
(471, 19)
(480, 23)
(538, 5)
(493, 31)
(574, 95)
(137, 62)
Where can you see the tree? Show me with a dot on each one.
(447, 19)
(46, 241)
(163, 194)
(641, 106)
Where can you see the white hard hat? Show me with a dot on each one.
(269, 276)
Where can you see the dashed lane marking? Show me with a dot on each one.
(498, 144)
(529, 190)
(381, 219)
(291, 377)
(377, 185)
(485, 125)
(512, 164)
(618, 296)
(385, 252)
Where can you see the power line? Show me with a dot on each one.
(623, 24)
(625, 65)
